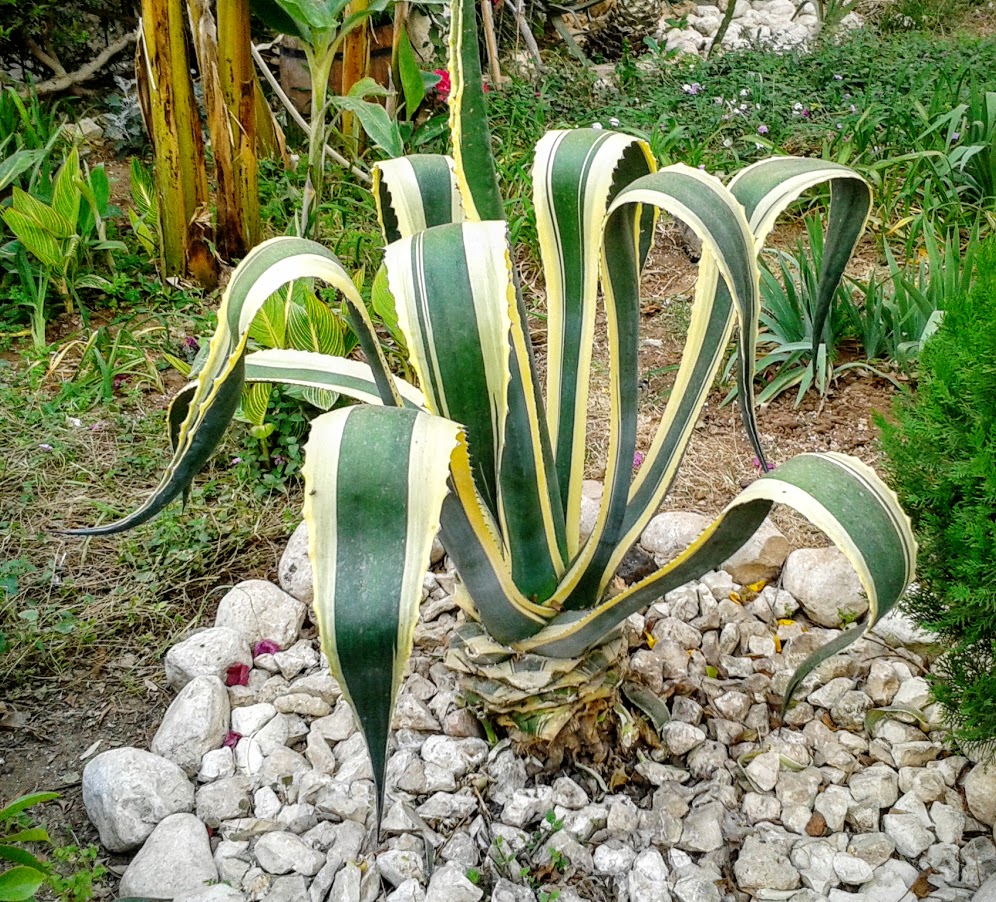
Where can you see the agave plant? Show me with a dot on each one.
(482, 452)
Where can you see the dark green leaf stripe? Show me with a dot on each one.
(838, 494)
(375, 478)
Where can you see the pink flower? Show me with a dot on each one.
(637, 459)
(443, 85)
(237, 675)
(762, 466)
(231, 739)
(265, 647)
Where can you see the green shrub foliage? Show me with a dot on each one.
(942, 460)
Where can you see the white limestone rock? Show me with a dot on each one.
(128, 791)
(825, 584)
(175, 859)
(194, 724)
(294, 570)
(209, 652)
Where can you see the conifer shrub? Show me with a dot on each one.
(942, 462)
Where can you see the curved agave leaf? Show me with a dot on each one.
(476, 174)
(837, 493)
(209, 409)
(459, 310)
(576, 175)
(375, 479)
(339, 374)
(713, 213)
(415, 193)
(766, 189)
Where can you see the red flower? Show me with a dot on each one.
(237, 675)
(231, 739)
(443, 85)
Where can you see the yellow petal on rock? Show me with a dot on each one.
(651, 641)
(735, 596)
(758, 586)
(786, 621)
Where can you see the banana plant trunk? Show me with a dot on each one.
(355, 62)
(222, 50)
(237, 78)
(177, 143)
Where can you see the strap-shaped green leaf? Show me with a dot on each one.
(766, 189)
(837, 493)
(414, 193)
(576, 175)
(211, 406)
(338, 374)
(458, 308)
(375, 480)
(710, 210)
(475, 163)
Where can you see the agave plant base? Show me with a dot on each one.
(558, 708)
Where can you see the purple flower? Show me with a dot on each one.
(120, 381)
(955, 136)
(236, 461)
(191, 344)
(265, 647)
(637, 459)
(762, 466)
(44, 446)
(762, 129)
(693, 88)
(279, 460)
(231, 739)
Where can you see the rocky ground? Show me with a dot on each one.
(779, 24)
(257, 785)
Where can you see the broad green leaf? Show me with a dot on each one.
(411, 75)
(16, 164)
(269, 326)
(367, 87)
(378, 125)
(37, 240)
(41, 214)
(19, 884)
(382, 302)
(375, 479)
(21, 856)
(255, 399)
(66, 196)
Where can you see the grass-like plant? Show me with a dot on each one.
(494, 458)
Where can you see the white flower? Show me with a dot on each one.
(597, 125)
(614, 122)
